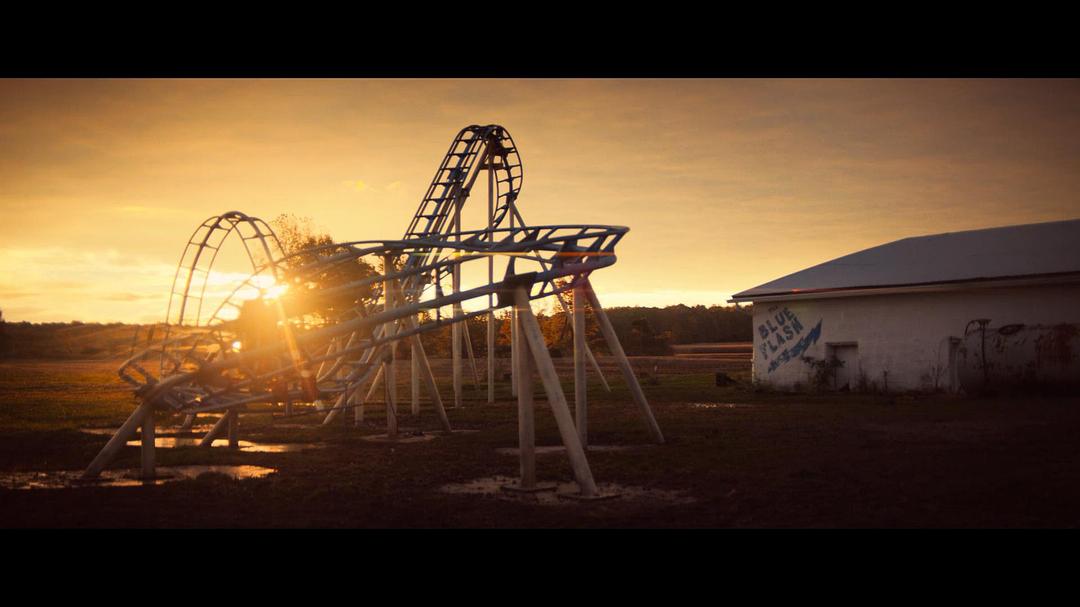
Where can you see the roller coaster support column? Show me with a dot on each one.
(217, 430)
(391, 414)
(371, 390)
(428, 376)
(513, 329)
(335, 368)
(624, 364)
(233, 417)
(148, 445)
(530, 333)
(117, 442)
(491, 301)
(189, 421)
(592, 359)
(526, 413)
(469, 351)
(349, 397)
(581, 414)
(455, 329)
(357, 404)
(414, 379)
(389, 373)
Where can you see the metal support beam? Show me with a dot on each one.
(514, 338)
(553, 389)
(414, 379)
(350, 394)
(581, 414)
(526, 428)
(188, 423)
(491, 300)
(455, 329)
(624, 364)
(389, 366)
(148, 446)
(233, 417)
(217, 430)
(469, 352)
(117, 442)
(429, 377)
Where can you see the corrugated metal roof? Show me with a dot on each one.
(1014, 251)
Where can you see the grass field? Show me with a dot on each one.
(746, 458)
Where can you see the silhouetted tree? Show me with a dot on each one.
(305, 297)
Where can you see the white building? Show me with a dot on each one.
(940, 311)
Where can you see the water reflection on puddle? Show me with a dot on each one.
(720, 406)
(550, 449)
(69, 479)
(493, 486)
(170, 442)
(196, 429)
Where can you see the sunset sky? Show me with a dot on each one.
(725, 184)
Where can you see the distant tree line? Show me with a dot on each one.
(642, 331)
(654, 330)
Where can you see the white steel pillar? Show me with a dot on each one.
(414, 379)
(389, 372)
(148, 445)
(117, 442)
(531, 334)
(526, 412)
(428, 376)
(581, 414)
(233, 417)
(513, 329)
(455, 329)
(624, 363)
(491, 300)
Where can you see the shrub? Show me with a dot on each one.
(822, 371)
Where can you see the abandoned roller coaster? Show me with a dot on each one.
(322, 325)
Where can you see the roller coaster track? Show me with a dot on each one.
(567, 251)
(474, 149)
(457, 173)
(205, 370)
(193, 271)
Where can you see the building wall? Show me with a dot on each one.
(905, 335)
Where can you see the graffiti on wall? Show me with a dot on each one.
(783, 337)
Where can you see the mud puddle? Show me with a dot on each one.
(172, 442)
(70, 479)
(564, 493)
(196, 429)
(720, 406)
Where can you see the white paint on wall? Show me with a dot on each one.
(901, 336)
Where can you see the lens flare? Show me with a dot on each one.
(275, 291)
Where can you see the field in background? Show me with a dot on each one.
(70, 340)
(733, 352)
(748, 459)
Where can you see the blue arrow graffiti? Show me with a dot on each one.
(795, 351)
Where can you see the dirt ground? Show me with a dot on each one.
(733, 458)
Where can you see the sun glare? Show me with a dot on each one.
(275, 291)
